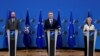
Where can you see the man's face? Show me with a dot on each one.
(13, 15)
(50, 15)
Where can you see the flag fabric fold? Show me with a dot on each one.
(9, 14)
(89, 14)
(71, 38)
(27, 33)
(40, 33)
(59, 38)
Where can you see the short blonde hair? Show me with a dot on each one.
(13, 12)
(89, 18)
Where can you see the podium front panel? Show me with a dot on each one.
(91, 39)
(52, 39)
(12, 42)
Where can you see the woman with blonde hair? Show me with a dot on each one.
(88, 26)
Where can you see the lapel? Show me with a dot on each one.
(49, 23)
(13, 23)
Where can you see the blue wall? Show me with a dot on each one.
(78, 7)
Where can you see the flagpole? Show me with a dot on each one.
(27, 33)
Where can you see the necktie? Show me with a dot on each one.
(51, 22)
(13, 21)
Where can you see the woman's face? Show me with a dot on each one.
(89, 20)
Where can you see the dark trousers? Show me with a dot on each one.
(85, 46)
(46, 41)
(12, 46)
(91, 46)
(52, 46)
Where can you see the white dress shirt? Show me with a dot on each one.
(87, 27)
(51, 21)
(13, 19)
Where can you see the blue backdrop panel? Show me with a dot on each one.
(79, 9)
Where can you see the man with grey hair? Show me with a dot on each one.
(12, 33)
(50, 24)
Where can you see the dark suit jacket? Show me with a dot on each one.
(12, 25)
(47, 24)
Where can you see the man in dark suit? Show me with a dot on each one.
(50, 24)
(12, 33)
(12, 23)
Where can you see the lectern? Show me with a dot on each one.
(91, 40)
(12, 42)
(52, 40)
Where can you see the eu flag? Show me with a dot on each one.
(59, 38)
(89, 14)
(9, 14)
(27, 33)
(71, 39)
(40, 33)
